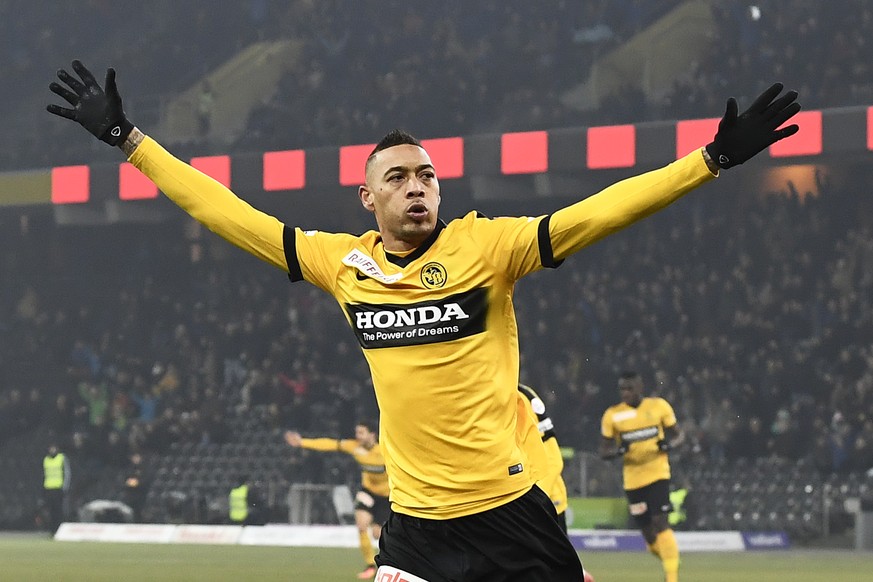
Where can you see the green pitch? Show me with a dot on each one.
(23, 559)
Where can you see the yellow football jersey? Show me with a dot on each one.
(641, 428)
(372, 463)
(437, 328)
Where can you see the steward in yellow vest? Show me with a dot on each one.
(239, 503)
(245, 506)
(55, 484)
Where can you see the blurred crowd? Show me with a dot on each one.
(461, 68)
(438, 69)
(750, 315)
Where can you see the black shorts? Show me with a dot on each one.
(520, 540)
(562, 521)
(376, 505)
(653, 499)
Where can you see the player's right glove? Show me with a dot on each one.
(97, 110)
(740, 137)
(619, 451)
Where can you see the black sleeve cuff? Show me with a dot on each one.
(544, 241)
(289, 241)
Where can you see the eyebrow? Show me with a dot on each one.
(418, 168)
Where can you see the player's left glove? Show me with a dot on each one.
(97, 110)
(740, 137)
(664, 445)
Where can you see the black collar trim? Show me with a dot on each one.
(428, 242)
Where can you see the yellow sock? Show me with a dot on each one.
(653, 549)
(668, 550)
(367, 548)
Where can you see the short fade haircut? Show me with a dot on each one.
(395, 137)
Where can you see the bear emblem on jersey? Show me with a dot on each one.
(433, 275)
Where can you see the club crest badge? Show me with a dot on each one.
(433, 275)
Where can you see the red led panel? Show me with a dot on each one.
(524, 153)
(447, 155)
(870, 128)
(693, 134)
(352, 160)
(613, 146)
(216, 167)
(71, 184)
(806, 142)
(284, 170)
(133, 185)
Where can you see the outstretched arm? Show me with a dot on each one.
(293, 438)
(738, 139)
(100, 111)
(320, 444)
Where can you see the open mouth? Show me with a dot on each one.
(417, 211)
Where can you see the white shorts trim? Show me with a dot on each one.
(392, 574)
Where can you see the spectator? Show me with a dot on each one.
(749, 441)
(135, 487)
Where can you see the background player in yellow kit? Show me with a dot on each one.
(371, 502)
(641, 430)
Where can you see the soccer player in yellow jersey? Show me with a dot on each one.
(641, 430)
(431, 305)
(371, 502)
(537, 434)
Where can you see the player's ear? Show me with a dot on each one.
(366, 198)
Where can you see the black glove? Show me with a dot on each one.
(615, 453)
(96, 110)
(740, 137)
(664, 446)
